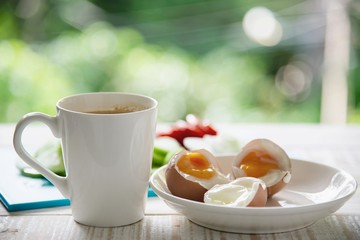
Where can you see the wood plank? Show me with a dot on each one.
(163, 227)
(154, 206)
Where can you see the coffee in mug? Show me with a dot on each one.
(120, 109)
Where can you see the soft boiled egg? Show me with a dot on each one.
(191, 173)
(263, 159)
(242, 192)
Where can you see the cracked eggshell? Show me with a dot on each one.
(275, 179)
(190, 187)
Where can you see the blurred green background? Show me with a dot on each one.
(227, 61)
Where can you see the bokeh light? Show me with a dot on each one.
(261, 26)
(294, 80)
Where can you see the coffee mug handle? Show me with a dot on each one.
(52, 123)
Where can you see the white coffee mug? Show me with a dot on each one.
(107, 156)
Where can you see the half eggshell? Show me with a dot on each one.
(275, 179)
(189, 187)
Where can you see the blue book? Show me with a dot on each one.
(18, 192)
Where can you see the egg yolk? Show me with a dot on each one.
(258, 164)
(196, 165)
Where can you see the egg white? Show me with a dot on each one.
(271, 178)
(238, 193)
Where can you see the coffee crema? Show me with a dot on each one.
(120, 109)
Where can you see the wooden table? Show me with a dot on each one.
(337, 146)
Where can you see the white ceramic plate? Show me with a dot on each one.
(314, 192)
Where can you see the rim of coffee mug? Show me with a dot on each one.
(153, 100)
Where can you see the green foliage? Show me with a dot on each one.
(29, 82)
(191, 56)
(221, 85)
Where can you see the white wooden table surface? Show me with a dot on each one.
(337, 146)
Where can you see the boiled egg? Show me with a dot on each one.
(191, 173)
(241, 192)
(263, 159)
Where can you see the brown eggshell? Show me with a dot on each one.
(260, 198)
(181, 187)
(275, 188)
